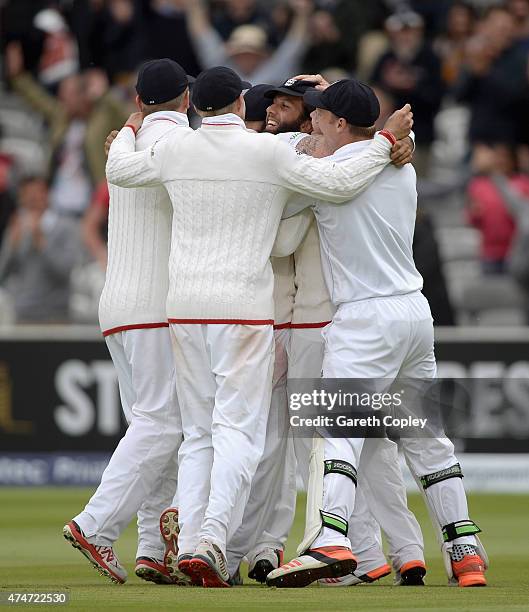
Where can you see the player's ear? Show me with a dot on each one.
(186, 101)
(306, 126)
(139, 104)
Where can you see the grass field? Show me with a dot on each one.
(34, 557)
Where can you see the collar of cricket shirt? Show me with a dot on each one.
(172, 116)
(348, 150)
(223, 120)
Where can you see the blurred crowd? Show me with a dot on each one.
(67, 79)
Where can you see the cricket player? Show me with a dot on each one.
(303, 308)
(141, 475)
(382, 329)
(228, 187)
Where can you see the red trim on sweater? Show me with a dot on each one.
(282, 325)
(387, 134)
(308, 325)
(132, 128)
(222, 124)
(115, 330)
(223, 321)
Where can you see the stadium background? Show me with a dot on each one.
(67, 77)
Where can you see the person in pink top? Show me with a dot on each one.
(488, 211)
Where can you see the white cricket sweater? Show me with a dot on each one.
(228, 186)
(312, 304)
(284, 290)
(139, 238)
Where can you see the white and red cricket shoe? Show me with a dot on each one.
(103, 558)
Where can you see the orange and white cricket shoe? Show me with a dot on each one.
(470, 571)
(103, 558)
(169, 530)
(152, 570)
(354, 580)
(315, 564)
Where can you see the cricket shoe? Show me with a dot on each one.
(154, 570)
(264, 562)
(103, 558)
(169, 530)
(470, 569)
(315, 564)
(210, 564)
(354, 580)
(411, 574)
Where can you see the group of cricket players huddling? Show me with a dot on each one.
(273, 242)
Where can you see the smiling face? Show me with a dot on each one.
(287, 114)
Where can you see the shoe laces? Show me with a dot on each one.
(107, 553)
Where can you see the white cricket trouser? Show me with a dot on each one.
(224, 384)
(270, 510)
(141, 475)
(389, 504)
(383, 338)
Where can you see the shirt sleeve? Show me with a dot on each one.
(326, 180)
(126, 168)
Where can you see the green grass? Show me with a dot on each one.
(34, 557)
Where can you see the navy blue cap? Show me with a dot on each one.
(354, 101)
(161, 80)
(216, 88)
(291, 87)
(256, 102)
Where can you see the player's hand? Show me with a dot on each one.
(400, 123)
(402, 152)
(110, 139)
(319, 81)
(135, 120)
(14, 60)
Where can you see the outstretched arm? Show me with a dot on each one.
(339, 183)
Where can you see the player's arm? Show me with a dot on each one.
(291, 233)
(339, 183)
(127, 168)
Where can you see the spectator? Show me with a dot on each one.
(94, 228)
(38, 255)
(411, 72)
(493, 80)
(451, 44)
(519, 9)
(487, 209)
(236, 13)
(78, 126)
(246, 51)
(328, 47)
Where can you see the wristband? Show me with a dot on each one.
(132, 128)
(387, 134)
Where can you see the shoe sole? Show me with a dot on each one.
(472, 580)
(169, 530)
(304, 577)
(78, 542)
(151, 575)
(413, 576)
(184, 567)
(209, 575)
(261, 570)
